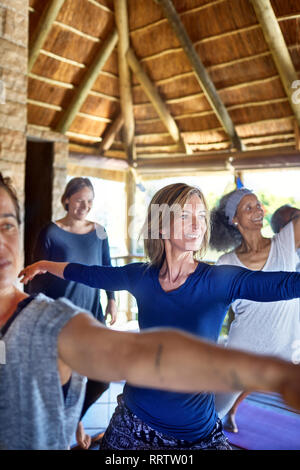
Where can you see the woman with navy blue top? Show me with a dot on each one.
(75, 239)
(175, 290)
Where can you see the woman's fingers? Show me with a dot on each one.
(27, 274)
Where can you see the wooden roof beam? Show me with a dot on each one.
(88, 82)
(201, 73)
(121, 17)
(111, 132)
(40, 34)
(220, 161)
(156, 100)
(280, 53)
(297, 135)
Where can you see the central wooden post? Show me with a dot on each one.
(125, 78)
(130, 187)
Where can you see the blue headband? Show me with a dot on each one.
(233, 202)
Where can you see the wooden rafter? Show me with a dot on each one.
(42, 30)
(218, 161)
(274, 38)
(121, 16)
(156, 100)
(87, 83)
(201, 73)
(111, 132)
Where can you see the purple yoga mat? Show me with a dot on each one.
(265, 429)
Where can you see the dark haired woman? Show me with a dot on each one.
(174, 290)
(74, 238)
(265, 328)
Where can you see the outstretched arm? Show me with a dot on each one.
(169, 359)
(42, 267)
(108, 278)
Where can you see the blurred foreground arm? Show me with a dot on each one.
(171, 360)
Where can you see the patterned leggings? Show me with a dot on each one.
(127, 432)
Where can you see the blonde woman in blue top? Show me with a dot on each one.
(50, 345)
(175, 290)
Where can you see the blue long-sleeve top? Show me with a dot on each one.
(56, 244)
(198, 306)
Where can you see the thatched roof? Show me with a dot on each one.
(252, 88)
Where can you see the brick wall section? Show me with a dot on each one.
(61, 151)
(13, 90)
(14, 27)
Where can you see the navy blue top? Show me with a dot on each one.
(198, 306)
(56, 244)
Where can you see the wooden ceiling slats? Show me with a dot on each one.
(76, 31)
(143, 128)
(50, 67)
(250, 94)
(249, 63)
(42, 29)
(184, 9)
(99, 107)
(103, 4)
(257, 90)
(107, 85)
(268, 111)
(142, 47)
(226, 74)
(89, 18)
(81, 93)
(266, 126)
(203, 137)
(70, 46)
(93, 117)
(228, 39)
(87, 126)
(282, 7)
(42, 116)
(51, 81)
(200, 72)
(198, 123)
(242, 47)
(151, 139)
(83, 137)
(45, 92)
(154, 97)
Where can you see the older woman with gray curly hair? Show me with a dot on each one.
(266, 328)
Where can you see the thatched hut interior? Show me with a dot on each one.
(132, 91)
(142, 89)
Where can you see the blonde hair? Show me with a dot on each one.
(166, 198)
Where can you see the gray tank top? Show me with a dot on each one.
(33, 411)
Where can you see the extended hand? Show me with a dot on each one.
(28, 273)
(111, 310)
